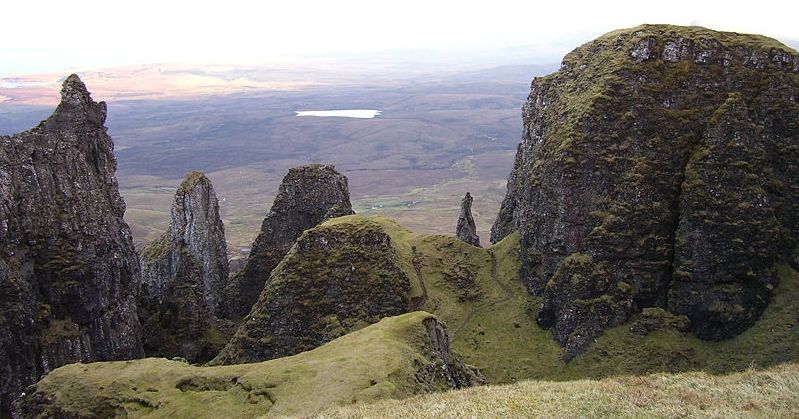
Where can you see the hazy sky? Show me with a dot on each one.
(59, 35)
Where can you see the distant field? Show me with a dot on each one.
(440, 135)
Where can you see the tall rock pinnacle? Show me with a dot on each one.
(308, 195)
(184, 273)
(466, 231)
(68, 269)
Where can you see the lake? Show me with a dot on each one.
(345, 113)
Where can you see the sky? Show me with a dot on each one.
(44, 36)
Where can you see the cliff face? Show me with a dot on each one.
(184, 273)
(68, 269)
(658, 167)
(307, 196)
(337, 277)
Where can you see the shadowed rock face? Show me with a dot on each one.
(68, 269)
(336, 278)
(466, 231)
(308, 195)
(657, 168)
(184, 273)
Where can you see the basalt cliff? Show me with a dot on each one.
(658, 168)
(68, 269)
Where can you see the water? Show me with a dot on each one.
(346, 113)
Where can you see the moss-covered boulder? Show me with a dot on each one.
(338, 277)
(395, 358)
(657, 168)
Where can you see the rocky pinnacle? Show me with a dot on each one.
(68, 269)
(466, 231)
(184, 273)
(307, 196)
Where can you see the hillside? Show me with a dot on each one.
(770, 393)
(394, 358)
(478, 294)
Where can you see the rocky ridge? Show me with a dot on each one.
(184, 273)
(68, 268)
(307, 196)
(657, 168)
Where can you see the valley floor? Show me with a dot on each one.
(767, 393)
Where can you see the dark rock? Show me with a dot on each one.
(308, 195)
(68, 269)
(466, 231)
(337, 277)
(636, 186)
(184, 273)
(504, 225)
(726, 243)
(655, 318)
(448, 365)
(462, 280)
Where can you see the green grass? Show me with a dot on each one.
(494, 331)
(377, 362)
(498, 334)
(770, 393)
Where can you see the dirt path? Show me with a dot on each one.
(418, 302)
(507, 291)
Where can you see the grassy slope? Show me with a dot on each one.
(495, 332)
(376, 362)
(770, 393)
(476, 292)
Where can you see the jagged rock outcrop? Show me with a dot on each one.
(308, 195)
(184, 273)
(337, 277)
(658, 168)
(466, 231)
(68, 269)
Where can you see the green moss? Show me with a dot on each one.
(191, 180)
(58, 330)
(156, 249)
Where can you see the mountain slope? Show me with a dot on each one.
(478, 294)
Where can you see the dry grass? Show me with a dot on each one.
(770, 393)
